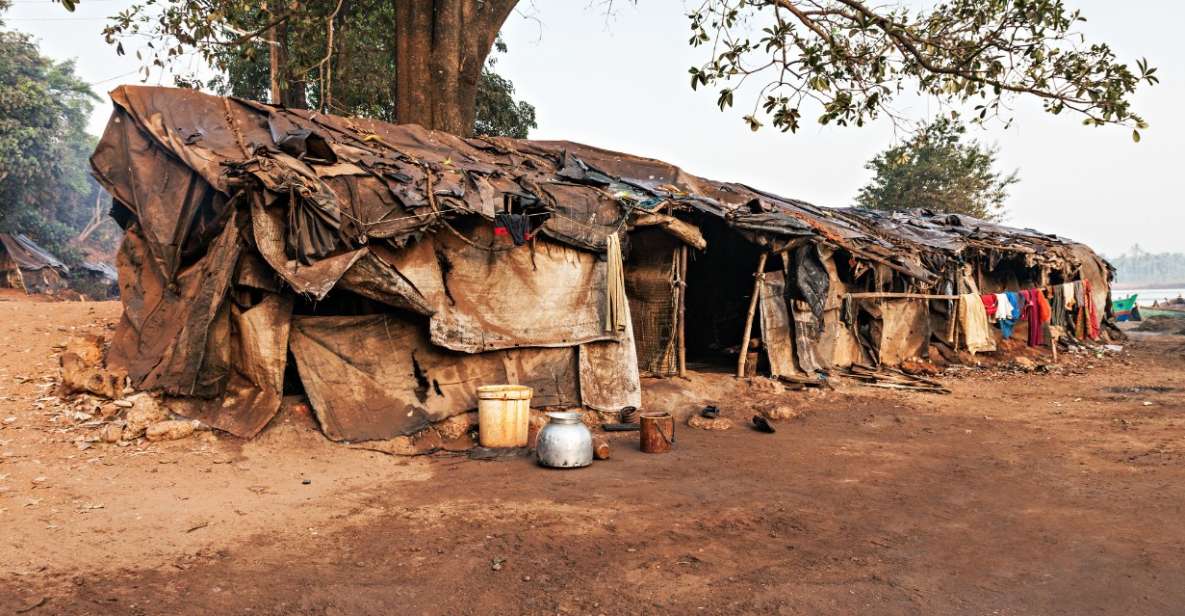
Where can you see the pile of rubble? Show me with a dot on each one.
(103, 399)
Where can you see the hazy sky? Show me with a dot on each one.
(621, 83)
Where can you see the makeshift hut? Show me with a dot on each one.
(97, 280)
(388, 271)
(29, 267)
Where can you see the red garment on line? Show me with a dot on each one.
(1032, 314)
(989, 303)
(1092, 315)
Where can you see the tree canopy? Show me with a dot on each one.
(851, 59)
(336, 55)
(45, 188)
(937, 170)
(847, 61)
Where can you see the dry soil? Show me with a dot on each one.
(1019, 493)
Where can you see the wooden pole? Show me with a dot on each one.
(758, 277)
(683, 310)
(958, 312)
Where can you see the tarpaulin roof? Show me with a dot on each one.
(360, 180)
(28, 255)
(104, 270)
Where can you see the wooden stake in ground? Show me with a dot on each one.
(683, 254)
(758, 277)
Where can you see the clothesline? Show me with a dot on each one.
(897, 295)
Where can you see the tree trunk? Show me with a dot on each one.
(440, 49)
(292, 88)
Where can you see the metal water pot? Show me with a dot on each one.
(564, 442)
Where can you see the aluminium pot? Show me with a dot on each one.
(565, 442)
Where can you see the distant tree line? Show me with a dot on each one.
(46, 190)
(1140, 267)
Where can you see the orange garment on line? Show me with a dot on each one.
(1045, 311)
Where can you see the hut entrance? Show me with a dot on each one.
(719, 285)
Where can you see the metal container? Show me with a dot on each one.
(657, 432)
(564, 442)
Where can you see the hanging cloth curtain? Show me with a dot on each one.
(973, 319)
(616, 309)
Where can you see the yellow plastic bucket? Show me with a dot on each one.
(503, 415)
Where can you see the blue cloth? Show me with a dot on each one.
(1017, 302)
(1006, 325)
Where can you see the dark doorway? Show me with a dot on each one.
(719, 287)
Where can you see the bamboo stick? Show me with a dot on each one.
(757, 279)
(683, 310)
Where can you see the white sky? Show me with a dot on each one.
(622, 83)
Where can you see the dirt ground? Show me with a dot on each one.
(1059, 493)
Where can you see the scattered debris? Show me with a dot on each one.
(111, 433)
(40, 601)
(781, 412)
(891, 378)
(169, 430)
(795, 383)
(1024, 363)
(494, 454)
(700, 422)
(144, 412)
(83, 370)
(919, 367)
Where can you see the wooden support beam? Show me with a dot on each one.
(758, 277)
(683, 255)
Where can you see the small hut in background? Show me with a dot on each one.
(29, 267)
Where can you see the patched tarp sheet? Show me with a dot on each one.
(315, 279)
(256, 347)
(376, 377)
(545, 294)
(905, 330)
(775, 324)
(162, 336)
(28, 255)
(609, 378)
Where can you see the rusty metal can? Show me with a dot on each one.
(657, 432)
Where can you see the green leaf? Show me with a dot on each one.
(1136, 136)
